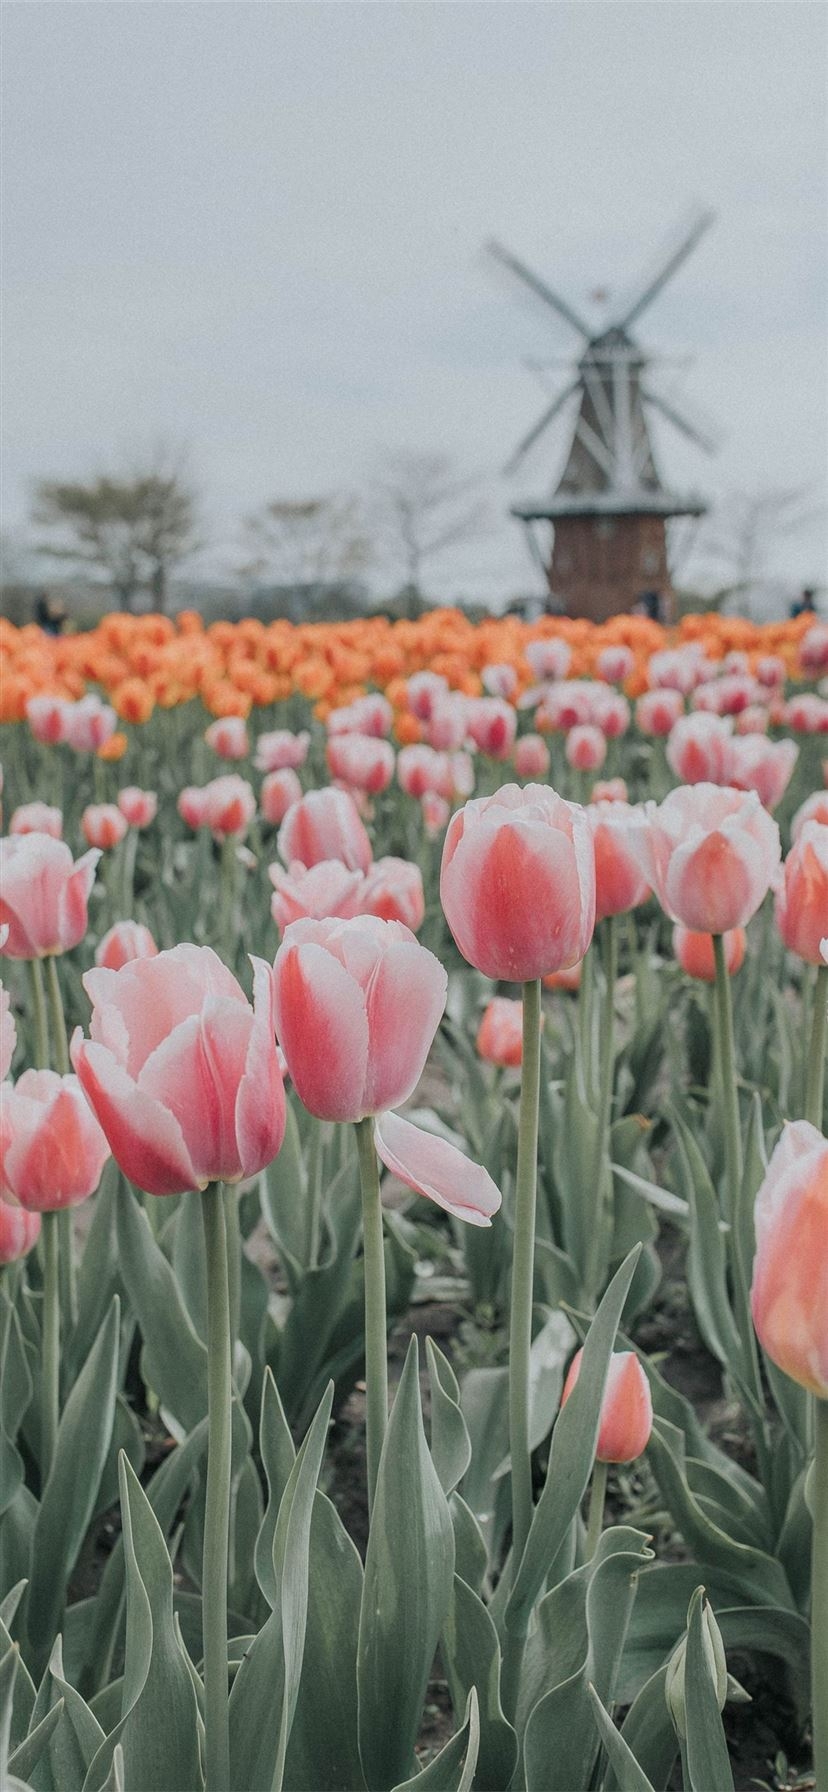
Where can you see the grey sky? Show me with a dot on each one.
(257, 229)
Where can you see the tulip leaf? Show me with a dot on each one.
(471, 1652)
(30, 1752)
(707, 1255)
(158, 1728)
(409, 1568)
(629, 1776)
(450, 1444)
(73, 1737)
(278, 1456)
(174, 1357)
(9, 1663)
(762, 1578)
(572, 1452)
(98, 1277)
(454, 1769)
(470, 1555)
(69, 1495)
(283, 1197)
(324, 1743)
(708, 1762)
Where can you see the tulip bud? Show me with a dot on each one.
(715, 1661)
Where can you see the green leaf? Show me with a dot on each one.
(30, 1752)
(174, 1357)
(98, 1277)
(450, 1443)
(324, 1742)
(708, 1762)
(158, 1729)
(629, 1777)
(572, 1452)
(278, 1457)
(8, 1674)
(471, 1654)
(707, 1255)
(69, 1495)
(454, 1769)
(284, 1200)
(409, 1567)
(762, 1578)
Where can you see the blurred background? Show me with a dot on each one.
(260, 354)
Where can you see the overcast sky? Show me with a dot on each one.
(257, 229)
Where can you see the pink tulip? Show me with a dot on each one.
(371, 716)
(500, 1034)
(181, 1072)
(124, 942)
(499, 681)
(357, 1005)
(698, 749)
(226, 805)
(814, 808)
(88, 725)
(393, 890)
(569, 705)
(517, 882)
(492, 725)
(585, 748)
(727, 696)
(325, 824)
(807, 713)
(281, 751)
(656, 712)
(361, 761)
(789, 1297)
(312, 894)
(678, 668)
(139, 806)
(709, 853)
(447, 728)
(104, 825)
(8, 1033)
(280, 790)
(435, 1168)
(694, 952)
(19, 1231)
(228, 737)
(548, 658)
(802, 896)
(611, 713)
(46, 716)
(755, 763)
(531, 756)
(52, 1150)
(770, 671)
(620, 884)
(192, 806)
(569, 980)
(813, 649)
(43, 895)
(421, 769)
(615, 663)
(753, 720)
(37, 818)
(423, 691)
(609, 790)
(436, 812)
(626, 1407)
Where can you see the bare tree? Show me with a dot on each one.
(735, 541)
(134, 527)
(423, 510)
(307, 545)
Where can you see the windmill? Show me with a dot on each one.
(607, 516)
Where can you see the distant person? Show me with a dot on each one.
(804, 605)
(648, 604)
(50, 614)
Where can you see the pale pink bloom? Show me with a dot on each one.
(789, 1297)
(517, 882)
(43, 895)
(626, 1407)
(423, 691)
(52, 1150)
(435, 1168)
(755, 763)
(531, 756)
(88, 725)
(500, 1034)
(46, 716)
(420, 768)
(325, 824)
(615, 663)
(694, 952)
(281, 750)
(611, 713)
(37, 818)
(814, 808)
(492, 725)
(770, 671)
(609, 790)
(710, 854)
(357, 1005)
(228, 737)
(181, 1071)
(813, 648)
(226, 805)
(807, 713)
(548, 658)
(657, 712)
(698, 749)
(570, 704)
(361, 761)
(499, 681)
(19, 1230)
(736, 661)
(192, 805)
(125, 941)
(436, 812)
(447, 726)
(103, 825)
(727, 696)
(139, 806)
(678, 668)
(371, 716)
(585, 748)
(753, 720)
(301, 893)
(802, 895)
(393, 890)
(280, 790)
(620, 884)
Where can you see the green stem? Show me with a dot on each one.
(819, 1600)
(130, 851)
(34, 971)
(727, 1072)
(597, 1496)
(227, 894)
(60, 1055)
(217, 1515)
(314, 1193)
(523, 1271)
(599, 1181)
(50, 1367)
(816, 1059)
(376, 1361)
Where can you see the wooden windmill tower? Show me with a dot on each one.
(605, 522)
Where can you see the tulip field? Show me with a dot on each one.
(414, 1206)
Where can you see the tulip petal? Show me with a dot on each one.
(195, 1072)
(436, 1169)
(145, 1138)
(405, 999)
(260, 1103)
(322, 1026)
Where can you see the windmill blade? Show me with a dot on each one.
(545, 419)
(686, 245)
(538, 287)
(706, 439)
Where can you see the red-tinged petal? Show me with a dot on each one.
(260, 1103)
(144, 1137)
(436, 1169)
(323, 1029)
(405, 1000)
(195, 1073)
